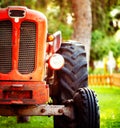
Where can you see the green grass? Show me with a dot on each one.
(109, 102)
(35, 122)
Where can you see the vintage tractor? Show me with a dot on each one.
(35, 68)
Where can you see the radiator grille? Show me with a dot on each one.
(27, 49)
(5, 46)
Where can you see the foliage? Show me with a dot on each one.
(101, 14)
(102, 44)
(97, 35)
(57, 21)
(28, 3)
(57, 18)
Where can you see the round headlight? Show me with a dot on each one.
(56, 61)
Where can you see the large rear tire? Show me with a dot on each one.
(74, 74)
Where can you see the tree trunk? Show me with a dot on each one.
(82, 23)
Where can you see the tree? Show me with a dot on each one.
(102, 31)
(101, 46)
(82, 23)
(5, 3)
(101, 14)
(81, 12)
(57, 17)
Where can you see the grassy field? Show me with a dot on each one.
(109, 102)
(35, 122)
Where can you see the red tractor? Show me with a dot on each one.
(36, 67)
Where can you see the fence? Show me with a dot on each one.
(113, 79)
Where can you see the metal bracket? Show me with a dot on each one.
(38, 110)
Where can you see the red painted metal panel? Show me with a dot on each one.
(23, 93)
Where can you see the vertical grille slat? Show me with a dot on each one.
(27, 48)
(5, 46)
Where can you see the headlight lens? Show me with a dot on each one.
(56, 61)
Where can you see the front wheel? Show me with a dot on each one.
(86, 109)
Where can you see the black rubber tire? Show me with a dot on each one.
(72, 76)
(74, 73)
(86, 109)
